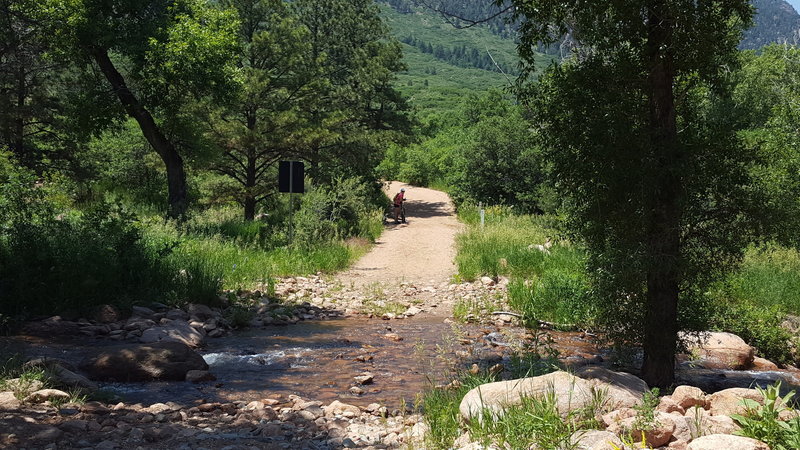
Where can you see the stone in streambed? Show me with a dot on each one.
(159, 361)
(720, 351)
(174, 331)
(198, 376)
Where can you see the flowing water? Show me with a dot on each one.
(319, 359)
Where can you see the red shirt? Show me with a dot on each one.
(398, 199)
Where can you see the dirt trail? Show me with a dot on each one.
(420, 251)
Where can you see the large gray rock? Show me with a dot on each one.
(199, 312)
(174, 331)
(159, 361)
(571, 392)
(720, 351)
(726, 442)
(69, 379)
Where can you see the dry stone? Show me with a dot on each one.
(729, 401)
(668, 405)
(726, 442)
(721, 351)
(45, 395)
(199, 312)
(8, 401)
(571, 392)
(595, 440)
(688, 396)
(337, 408)
(658, 434)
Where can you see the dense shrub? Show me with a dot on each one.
(50, 265)
(345, 209)
(52, 262)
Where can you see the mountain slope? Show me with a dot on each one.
(775, 21)
(445, 63)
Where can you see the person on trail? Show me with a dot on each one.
(398, 203)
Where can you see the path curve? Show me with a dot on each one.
(422, 251)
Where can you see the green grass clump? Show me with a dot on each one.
(441, 410)
(533, 423)
(21, 380)
(763, 422)
(549, 285)
(770, 276)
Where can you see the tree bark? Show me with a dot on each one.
(176, 176)
(250, 187)
(663, 240)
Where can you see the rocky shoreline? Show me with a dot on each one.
(158, 343)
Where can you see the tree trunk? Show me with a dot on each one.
(663, 240)
(250, 180)
(250, 187)
(176, 176)
(19, 121)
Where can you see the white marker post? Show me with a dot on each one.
(483, 214)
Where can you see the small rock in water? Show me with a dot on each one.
(393, 337)
(365, 378)
(355, 390)
(198, 376)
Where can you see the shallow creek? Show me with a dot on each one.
(317, 359)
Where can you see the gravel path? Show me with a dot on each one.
(420, 251)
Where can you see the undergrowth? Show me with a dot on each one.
(549, 281)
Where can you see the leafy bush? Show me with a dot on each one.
(52, 262)
(762, 422)
(345, 209)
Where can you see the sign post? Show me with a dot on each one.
(291, 179)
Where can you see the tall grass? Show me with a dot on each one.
(547, 283)
(770, 275)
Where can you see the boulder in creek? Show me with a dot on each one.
(159, 361)
(726, 442)
(198, 376)
(720, 351)
(174, 331)
(571, 392)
